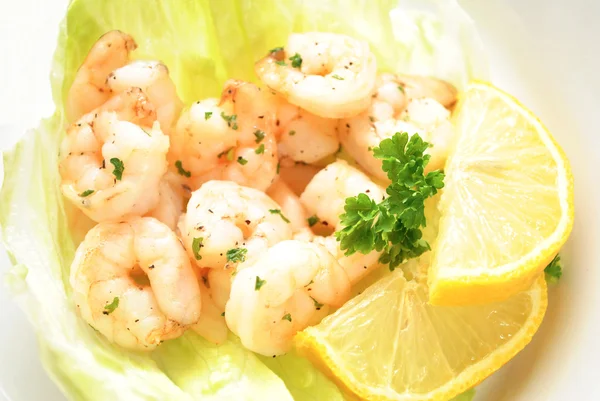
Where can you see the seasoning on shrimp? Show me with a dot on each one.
(335, 78)
(133, 282)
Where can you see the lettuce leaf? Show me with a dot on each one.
(203, 42)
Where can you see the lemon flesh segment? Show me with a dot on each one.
(389, 343)
(507, 206)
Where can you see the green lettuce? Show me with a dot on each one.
(203, 42)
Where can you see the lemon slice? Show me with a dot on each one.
(389, 343)
(507, 206)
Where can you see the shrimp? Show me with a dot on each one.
(154, 80)
(290, 287)
(290, 205)
(230, 139)
(211, 324)
(89, 89)
(223, 216)
(401, 104)
(111, 168)
(324, 198)
(133, 282)
(303, 136)
(330, 75)
(171, 197)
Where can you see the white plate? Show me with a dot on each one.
(545, 52)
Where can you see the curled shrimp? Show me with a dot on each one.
(290, 287)
(154, 80)
(327, 74)
(133, 282)
(110, 167)
(223, 216)
(230, 139)
(303, 136)
(89, 89)
(401, 104)
(324, 199)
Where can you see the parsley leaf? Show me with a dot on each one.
(207, 114)
(276, 49)
(287, 317)
(110, 308)
(336, 76)
(119, 168)
(260, 150)
(292, 133)
(280, 62)
(260, 135)
(196, 245)
(394, 224)
(241, 160)
(236, 255)
(554, 270)
(181, 170)
(231, 120)
(277, 211)
(312, 220)
(296, 60)
(86, 193)
(318, 305)
(259, 283)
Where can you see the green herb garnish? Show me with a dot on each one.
(393, 225)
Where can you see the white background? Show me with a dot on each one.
(545, 52)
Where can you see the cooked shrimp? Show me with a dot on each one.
(291, 286)
(324, 198)
(133, 282)
(89, 89)
(231, 139)
(303, 136)
(171, 197)
(211, 324)
(223, 216)
(327, 74)
(290, 205)
(399, 106)
(154, 80)
(111, 168)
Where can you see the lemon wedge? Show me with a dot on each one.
(507, 205)
(389, 343)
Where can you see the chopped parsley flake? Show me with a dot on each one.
(236, 255)
(296, 60)
(277, 211)
(554, 270)
(181, 170)
(260, 135)
(207, 114)
(231, 120)
(312, 220)
(336, 76)
(241, 160)
(196, 245)
(259, 283)
(110, 308)
(287, 317)
(86, 193)
(119, 168)
(318, 305)
(260, 150)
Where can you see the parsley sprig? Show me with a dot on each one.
(393, 225)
